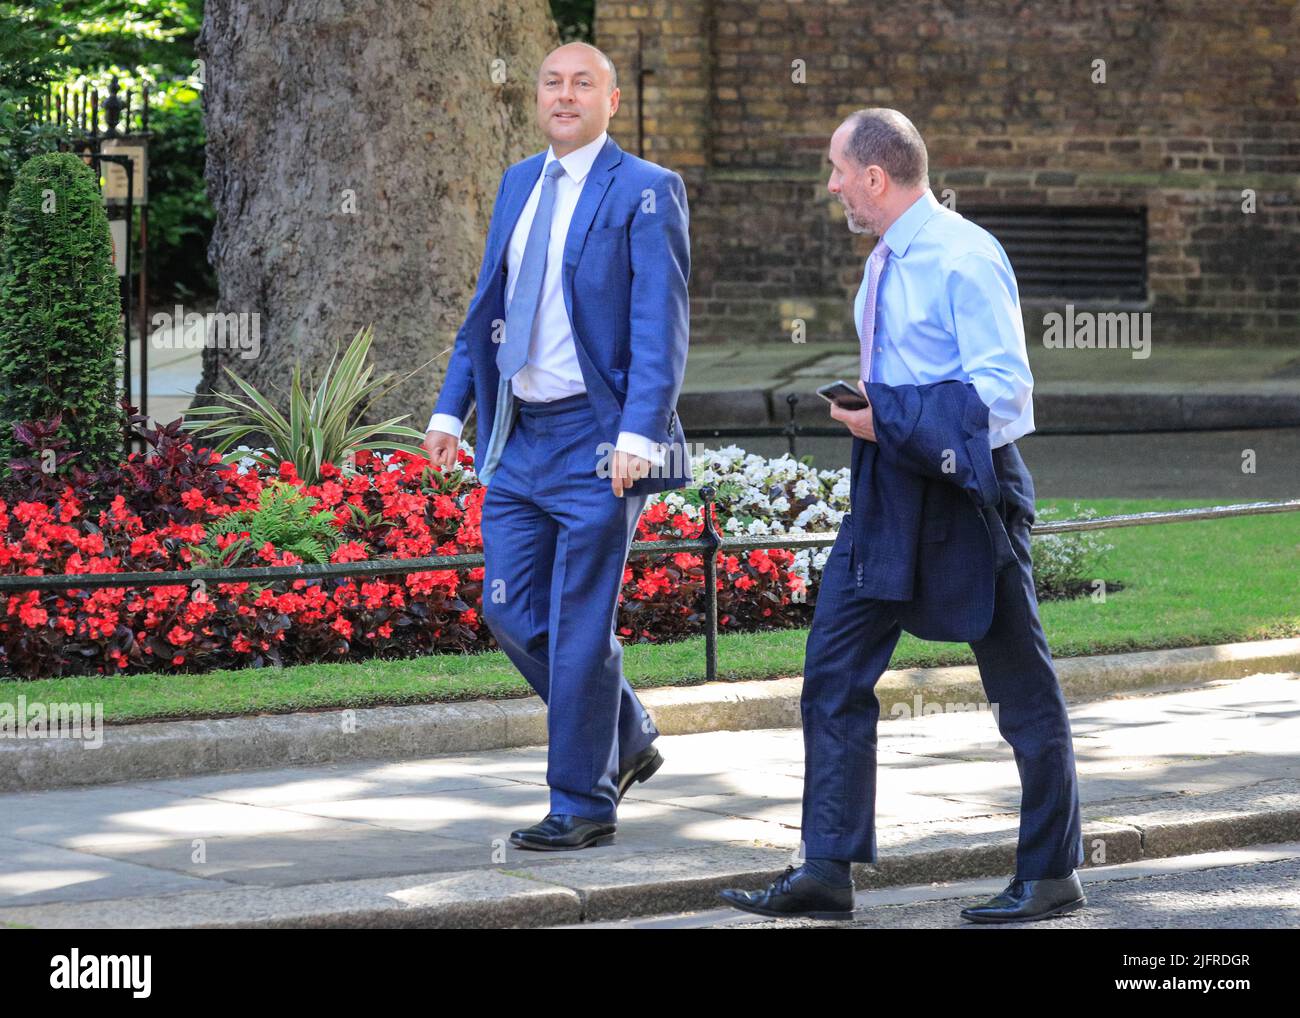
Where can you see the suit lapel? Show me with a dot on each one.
(594, 189)
(593, 193)
(516, 197)
(513, 201)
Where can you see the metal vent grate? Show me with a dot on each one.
(1071, 252)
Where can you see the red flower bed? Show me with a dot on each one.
(142, 516)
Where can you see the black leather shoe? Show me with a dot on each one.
(640, 768)
(1027, 900)
(794, 893)
(560, 832)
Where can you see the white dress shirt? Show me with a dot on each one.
(947, 306)
(552, 371)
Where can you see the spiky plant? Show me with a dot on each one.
(322, 426)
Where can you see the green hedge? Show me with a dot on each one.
(60, 310)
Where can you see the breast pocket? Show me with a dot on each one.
(605, 254)
(603, 233)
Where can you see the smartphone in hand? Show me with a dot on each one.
(844, 396)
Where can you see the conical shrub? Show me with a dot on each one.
(60, 311)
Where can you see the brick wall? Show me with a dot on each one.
(1200, 102)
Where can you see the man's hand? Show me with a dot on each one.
(441, 448)
(625, 469)
(859, 422)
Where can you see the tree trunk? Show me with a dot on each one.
(354, 151)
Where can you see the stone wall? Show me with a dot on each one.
(1198, 105)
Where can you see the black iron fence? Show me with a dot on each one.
(792, 430)
(708, 544)
(107, 128)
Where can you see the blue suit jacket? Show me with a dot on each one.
(626, 266)
(925, 522)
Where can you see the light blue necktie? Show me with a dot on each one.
(512, 354)
(875, 266)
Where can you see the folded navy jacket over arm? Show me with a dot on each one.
(925, 519)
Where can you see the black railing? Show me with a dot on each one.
(709, 543)
(792, 430)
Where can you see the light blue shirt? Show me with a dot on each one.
(947, 307)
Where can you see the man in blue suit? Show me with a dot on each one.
(937, 540)
(573, 350)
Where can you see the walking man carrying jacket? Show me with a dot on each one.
(937, 540)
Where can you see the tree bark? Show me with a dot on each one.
(354, 151)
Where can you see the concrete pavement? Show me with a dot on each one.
(165, 749)
(422, 843)
(1179, 386)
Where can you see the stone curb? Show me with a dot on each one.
(170, 749)
(582, 888)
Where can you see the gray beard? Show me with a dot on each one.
(853, 224)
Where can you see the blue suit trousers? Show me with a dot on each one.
(555, 544)
(849, 646)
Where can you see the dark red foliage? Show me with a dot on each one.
(143, 515)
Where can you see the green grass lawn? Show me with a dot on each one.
(1184, 584)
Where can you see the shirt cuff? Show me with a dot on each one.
(445, 422)
(639, 445)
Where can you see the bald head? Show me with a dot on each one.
(577, 94)
(591, 51)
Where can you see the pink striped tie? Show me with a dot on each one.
(875, 265)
